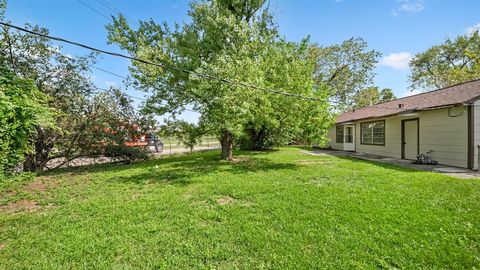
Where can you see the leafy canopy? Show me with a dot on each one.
(22, 107)
(346, 68)
(227, 39)
(452, 62)
(371, 96)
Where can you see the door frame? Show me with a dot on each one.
(403, 135)
(352, 126)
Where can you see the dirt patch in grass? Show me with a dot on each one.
(239, 160)
(188, 194)
(2, 246)
(21, 206)
(225, 200)
(36, 187)
(230, 200)
(316, 162)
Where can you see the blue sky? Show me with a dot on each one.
(396, 28)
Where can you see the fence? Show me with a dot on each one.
(172, 145)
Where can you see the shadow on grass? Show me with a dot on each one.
(181, 170)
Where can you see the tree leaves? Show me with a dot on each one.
(452, 62)
(231, 39)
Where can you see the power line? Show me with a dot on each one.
(139, 98)
(164, 66)
(95, 67)
(107, 71)
(106, 4)
(93, 9)
(108, 90)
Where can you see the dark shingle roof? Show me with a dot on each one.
(457, 94)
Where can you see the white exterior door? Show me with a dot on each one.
(410, 139)
(349, 138)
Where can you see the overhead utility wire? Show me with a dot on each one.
(139, 98)
(197, 74)
(107, 71)
(93, 9)
(117, 11)
(108, 90)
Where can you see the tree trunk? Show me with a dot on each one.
(36, 161)
(227, 145)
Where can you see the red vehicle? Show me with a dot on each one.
(146, 140)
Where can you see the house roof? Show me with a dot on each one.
(464, 93)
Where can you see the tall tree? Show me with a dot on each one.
(372, 95)
(452, 62)
(386, 94)
(346, 68)
(234, 39)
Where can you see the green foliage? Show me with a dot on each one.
(346, 68)
(276, 210)
(22, 108)
(83, 113)
(371, 96)
(125, 154)
(63, 79)
(452, 62)
(235, 40)
(188, 134)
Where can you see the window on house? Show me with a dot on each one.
(339, 134)
(373, 133)
(348, 135)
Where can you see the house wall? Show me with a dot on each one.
(333, 139)
(446, 136)
(476, 133)
(392, 147)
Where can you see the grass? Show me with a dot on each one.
(276, 210)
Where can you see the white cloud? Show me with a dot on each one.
(408, 6)
(396, 60)
(472, 29)
(411, 93)
(110, 84)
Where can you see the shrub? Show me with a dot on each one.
(126, 154)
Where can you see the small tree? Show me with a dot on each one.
(188, 134)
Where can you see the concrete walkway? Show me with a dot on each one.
(444, 169)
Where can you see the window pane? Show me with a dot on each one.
(373, 133)
(348, 135)
(378, 138)
(378, 127)
(339, 135)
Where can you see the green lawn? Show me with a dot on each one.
(277, 210)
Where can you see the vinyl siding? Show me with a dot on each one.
(476, 132)
(332, 133)
(392, 147)
(446, 136)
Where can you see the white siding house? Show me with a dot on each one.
(445, 122)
